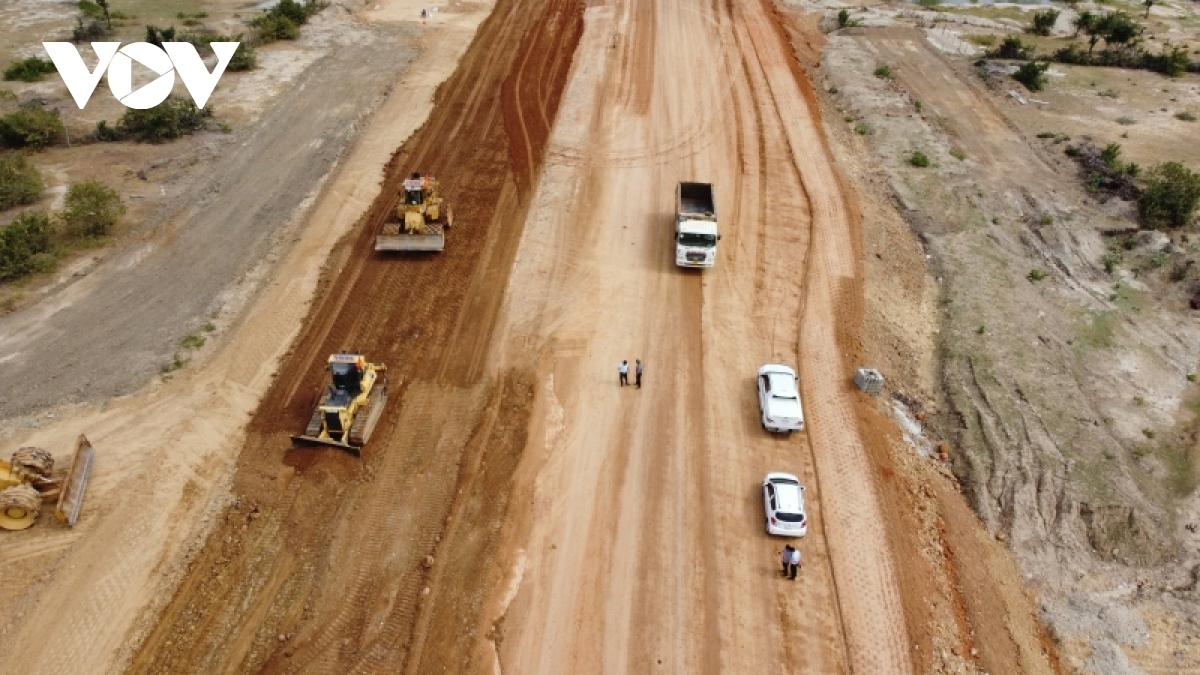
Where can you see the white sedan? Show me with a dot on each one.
(779, 398)
(783, 499)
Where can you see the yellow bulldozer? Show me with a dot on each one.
(27, 481)
(350, 406)
(422, 219)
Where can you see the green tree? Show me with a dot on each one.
(31, 127)
(170, 119)
(1043, 22)
(25, 246)
(1082, 21)
(1032, 74)
(1111, 155)
(20, 182)
(91, 209)
(1170, 197)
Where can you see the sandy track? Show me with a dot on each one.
(642, 545)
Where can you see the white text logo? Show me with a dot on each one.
(171, 58)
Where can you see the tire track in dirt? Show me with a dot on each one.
(356, 534)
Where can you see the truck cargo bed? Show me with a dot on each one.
(696, 199)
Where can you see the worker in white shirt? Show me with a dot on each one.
(623, 371)
(795, 562)
(787, 558)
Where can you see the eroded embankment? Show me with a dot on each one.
(323, 560)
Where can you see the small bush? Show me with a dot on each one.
(25, 246)
(283, 21)
(862, 129)
(1170, 197)
(31, 127)
(884, 71)
(20, 182)
(31, 69)
(1191, 377)
(1111, 154)
(192, 341)
(91, 209)
(1043, 22)
(91, 9)
(1139, 400)
(1185, 116)
(919, 159)
(170, 119)
(1111, 259)
(157, 36)
(93, 31)
(1032, 75)
(1126, 121)
(1013, 48)
(1036, 275)
(844, 20)
(1148, 433)
(988, 40)
(1072, 151)
(1047, 134)
(958, 154)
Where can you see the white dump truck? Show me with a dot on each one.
(695, 225)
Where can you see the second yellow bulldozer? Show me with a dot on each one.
(351, 405)
(422, 219)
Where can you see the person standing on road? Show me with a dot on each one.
(638, 374)
(623, 371)
(787, 558)
(795, 563)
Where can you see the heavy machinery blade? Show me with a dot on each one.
(70, 499)
(313, 440)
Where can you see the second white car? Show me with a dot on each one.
(779, 399)
(783, 499)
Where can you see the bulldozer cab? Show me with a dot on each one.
(414, 190)
(347, 378)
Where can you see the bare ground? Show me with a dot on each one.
(1049, 386)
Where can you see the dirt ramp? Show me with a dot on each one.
(321, 562)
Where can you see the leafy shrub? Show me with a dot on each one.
(1043, 22)
(31, 69)
(91, 209)
(157, 36)
(1126, 121)
(1111, 259)
(1036, 275)
(25, 246)
(1185, 116)
(862, 129)
(1111, 154)
(20, 182)
(91, 9)
(919, 159)
(958, 154)
(884, 71)
(1013, 48)
(93, 31)
(844, 19)
(283, 21)
(1032, 74)
(1170, 197)
(31, 127)
(244, 58)
(170, 119)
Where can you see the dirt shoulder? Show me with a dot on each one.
(1062, 394)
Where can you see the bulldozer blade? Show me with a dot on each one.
(70, 499)
(313, 440)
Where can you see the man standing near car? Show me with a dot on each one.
(795, 562)
(787, 558)
(623, 371)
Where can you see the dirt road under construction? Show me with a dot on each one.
(516, 510)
